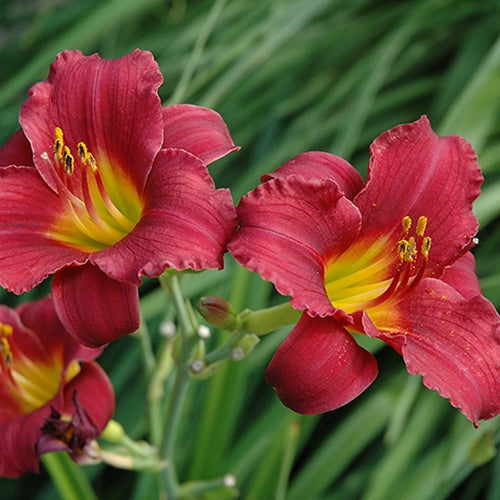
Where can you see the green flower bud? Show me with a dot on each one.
(218, 312)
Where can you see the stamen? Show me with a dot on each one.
(68, 161)
(89, 205)
(5, 349)
(421, 225)
(58, 144)
(413, 254)
(406, 223)
(426, 246)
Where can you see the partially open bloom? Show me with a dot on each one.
(389, 259)
(46, 376)
(102, 186)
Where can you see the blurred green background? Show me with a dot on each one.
(290, 76)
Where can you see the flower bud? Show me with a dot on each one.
(244, 347)
(218, 312)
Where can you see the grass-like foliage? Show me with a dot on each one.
(290, 76)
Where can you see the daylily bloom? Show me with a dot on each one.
(45, 375)
(102, 185)
(389, 258)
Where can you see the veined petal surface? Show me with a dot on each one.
(288, 228)
(320, 367)
(198, 130)
(110, 105)
(28, 208)
(186, 222)
(93, 307)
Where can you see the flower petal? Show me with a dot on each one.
(320, 367)
(200, 131)
(95, 394)
(319, 165)
(19, 435)
(462, 276)
(28, 207)
(16, 151)
(40, 317)
(415, 172)
(111, 105)
(186, 223)
(288, 228)
(94, 308)
(452, 342)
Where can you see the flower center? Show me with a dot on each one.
(101, 204)
(366, 276)
(32, 382)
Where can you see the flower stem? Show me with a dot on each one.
(67, 477)
(267, 320)
(177, 395)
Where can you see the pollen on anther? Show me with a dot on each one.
(68, 161)
(91, 161)
(82, 151)
(421, 225)
(426, 246)
(406, 223)
(5, 330)
(402, 249)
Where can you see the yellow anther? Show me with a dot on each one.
(68, 161)
(5, 350)
(82, 151)
(406, 223)
(59, 134)
(412, 249)
(91, 161)
(403, 249)
(86, 156)
(5, 330)
(421, 225)
(426, 246)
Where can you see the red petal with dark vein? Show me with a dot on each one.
(319, 165)
(16, 151)
(320, 367)
(93, 307)
(110, 105)
(415, 172)
(200, 131)
(28, 208)
(186, 223)
(452, 342)
(288, 228)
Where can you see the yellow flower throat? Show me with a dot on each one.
(32, 382)
(101, 206)
(366, 276)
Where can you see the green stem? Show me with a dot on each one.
(148, 356)
(153, 404)
(267, 320)
(177, 396)
(68, 478)
(169, 474)
(224, 352)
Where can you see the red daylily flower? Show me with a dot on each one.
(389, 259)
(102, 186)
(44, 372)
